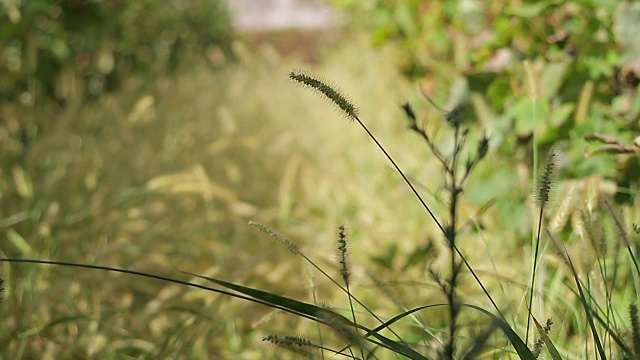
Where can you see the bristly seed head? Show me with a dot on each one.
(343, 254)
(547, 177)
(329, 91)
(287, 340)
(283, 239)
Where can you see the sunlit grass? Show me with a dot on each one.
(167, 179)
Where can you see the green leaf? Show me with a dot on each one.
(553, 76)
(626, 27)
(315, 312)
(519, 346)
(529, 10)
(528, 115)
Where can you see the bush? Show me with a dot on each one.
(72, 49)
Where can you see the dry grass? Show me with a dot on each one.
(167, 179)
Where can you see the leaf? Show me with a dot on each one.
(529, 10)
(553, 76)
(528, 115)
(314, 312)
(626, 26)
(520, 347)
(560, 115)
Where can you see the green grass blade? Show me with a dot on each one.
(581, 295)
(588, 312)
(519, 346)
(400, 316)
(284, 302)
(615, 335)
(316, 312)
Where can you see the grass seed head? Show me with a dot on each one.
(328, 90)
(547, 177)
(343, 254)
(283, 239)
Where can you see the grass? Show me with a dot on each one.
(163, 188)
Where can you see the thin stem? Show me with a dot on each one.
(404, 177)
(533, 273)
(432, 147)
(451, 236)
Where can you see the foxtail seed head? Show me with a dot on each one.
(328, 90)
(343, 254)
(547, 177)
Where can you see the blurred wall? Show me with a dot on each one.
(266, 15)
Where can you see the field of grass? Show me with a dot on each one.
(166, 179)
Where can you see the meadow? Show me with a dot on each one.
(200, 170)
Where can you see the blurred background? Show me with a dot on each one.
(146, 135)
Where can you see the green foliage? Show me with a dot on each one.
(555, 72)
(68, 50)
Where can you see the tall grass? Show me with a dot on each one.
(452, 327)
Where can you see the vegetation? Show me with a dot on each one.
(147, 189)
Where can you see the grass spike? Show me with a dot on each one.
(547, 177)
(293, 248)
(276, 235)
(287, 340)
(343, 254)
(345, 272)
(296, 344)
(328, 90)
